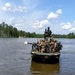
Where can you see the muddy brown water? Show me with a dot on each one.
(15, 58)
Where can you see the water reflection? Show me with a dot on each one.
(44, 69)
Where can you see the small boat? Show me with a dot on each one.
(47, 50)
(45, 57)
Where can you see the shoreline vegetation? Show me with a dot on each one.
(8, 31)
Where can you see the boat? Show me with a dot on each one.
(47, 50)
(45, 57)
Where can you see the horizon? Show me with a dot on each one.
(36, 15)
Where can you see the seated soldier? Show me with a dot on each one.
(52, 46)
(55, 45)
(42, 49)
(41, 45)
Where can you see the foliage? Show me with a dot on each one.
(71, 35)
(10, 31)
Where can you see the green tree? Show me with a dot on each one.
(15, 32)
(71, 35)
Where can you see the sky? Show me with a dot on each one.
(36, 15)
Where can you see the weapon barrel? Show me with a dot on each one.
(28, 43)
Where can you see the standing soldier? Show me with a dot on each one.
(48, 33)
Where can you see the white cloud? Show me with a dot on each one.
(18, 24)
(40, 24)
(59, 11)
(9, 7)
(44, 22)
(11, 21)
(21, 9)
(72, 29)
(54, 15)
(66, 25)
(74, 22)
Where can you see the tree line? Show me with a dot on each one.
(10, 31)
(70, 35)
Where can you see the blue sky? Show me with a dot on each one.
(36, 15)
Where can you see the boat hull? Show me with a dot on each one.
(45, 57)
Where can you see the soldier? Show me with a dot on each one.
(48, 33)
(41, 45)
(55, 45)
(51, 45)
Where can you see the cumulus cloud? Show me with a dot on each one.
(74, 22)
(72, 29)
(11, 21)
(9, 7)
(52, 15)
(44, 22)
(40, 24)
(73, 26)
(18, 23)
(55, 15)
(20, 9)
(66, 25)
(59, 11)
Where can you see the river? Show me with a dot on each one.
(15, 58)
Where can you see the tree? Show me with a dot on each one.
(15, 32)
(71, 35)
